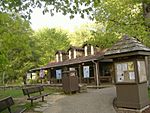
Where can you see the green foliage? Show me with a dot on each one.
(103, 40)
(21, 50)
(123, 17)
(13, 93)
(80, 35)
(48, 42)
(14, 47)
(71, 7)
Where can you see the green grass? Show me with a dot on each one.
(15, 93)
(11, 92)
(18, 94)
(27, 106)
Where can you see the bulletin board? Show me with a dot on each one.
(86, 71)
(59, 74)
(142, 71)
(125, 72)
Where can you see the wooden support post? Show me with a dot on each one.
(149, 68)
(147, 63)
(96, 72)
(49, 75)
(80, 73)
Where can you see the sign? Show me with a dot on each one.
(86, 71)
(42, 73)
(142, 71)
(125, 72)
(58, 74)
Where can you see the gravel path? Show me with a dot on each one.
(95, 101)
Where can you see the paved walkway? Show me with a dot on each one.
(95, 101)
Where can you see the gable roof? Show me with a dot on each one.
(75, 61)
(61, 51)
(126, 45)
(77, 48)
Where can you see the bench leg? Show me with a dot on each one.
(31, 102)
(42, 98)
(9, 110)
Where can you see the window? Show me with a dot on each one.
(85, 50)
(57, 58)
(125, 72)
(142, 71)
(69, 54)
(74, 53)
(61, 57)
(92, 50)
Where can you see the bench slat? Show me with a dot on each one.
(6, 103)
(32, 90)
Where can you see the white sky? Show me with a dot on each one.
(39, 20)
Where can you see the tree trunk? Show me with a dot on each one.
(3, 77)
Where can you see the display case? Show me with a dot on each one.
(129, 56)
(131, 82)
(125, 72)
(130, 71)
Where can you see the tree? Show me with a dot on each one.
(14, 46)
(65, 6)
(80, 35)
(130, 17)
(124, 17)
(48, 42)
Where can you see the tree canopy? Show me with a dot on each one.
(22, 49)
(14, 46)
(124, 17)
(48, 42)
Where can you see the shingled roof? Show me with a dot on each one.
(75, 61)
(61, 51)
(77, 48)
(125, 45)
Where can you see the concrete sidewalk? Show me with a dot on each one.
(95, 101)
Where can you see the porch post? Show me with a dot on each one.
(80, 73)
(49, 75)
(96, 70)
(147, 68)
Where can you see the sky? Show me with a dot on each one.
(38, 21)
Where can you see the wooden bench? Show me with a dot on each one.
(6, 103)
(34, 93)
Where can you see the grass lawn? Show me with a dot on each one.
(16, 93)
(20, 99)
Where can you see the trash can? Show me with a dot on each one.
(70, 81)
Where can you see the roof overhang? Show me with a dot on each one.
(132, 53)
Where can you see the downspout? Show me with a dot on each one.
(97, 78)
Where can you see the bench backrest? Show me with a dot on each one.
(6, 103)
(30, 90)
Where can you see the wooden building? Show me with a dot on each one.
(89, 61)
(86, 58)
